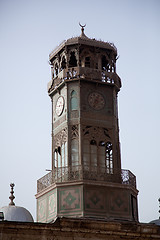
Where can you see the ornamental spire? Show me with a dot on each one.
(12, 197)
(82, 30)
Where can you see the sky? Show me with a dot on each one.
(29, 31)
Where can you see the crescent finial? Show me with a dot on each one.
(82, 29)
(82, 26)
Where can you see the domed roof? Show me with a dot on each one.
(15, 213)
(83, 39)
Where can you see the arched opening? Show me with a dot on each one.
(73, 60)
(63, 63)
(74, 152)
(56, 70)
(86, 153)
(109, 157)
(105, 64)
(55, 158)
(87, 62)
(93, 153)
(101, 155)
(74, 101)
(61, 156)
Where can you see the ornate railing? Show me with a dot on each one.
(75, 173)
(86, 73)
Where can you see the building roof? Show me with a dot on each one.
(83, 40)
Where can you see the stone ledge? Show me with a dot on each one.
(72, 228)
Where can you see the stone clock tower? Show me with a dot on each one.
(86, 180)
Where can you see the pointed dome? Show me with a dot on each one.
(15, 213)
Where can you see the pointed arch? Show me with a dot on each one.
(74, 101)
(72, 60)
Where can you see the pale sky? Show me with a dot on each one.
(29, 31)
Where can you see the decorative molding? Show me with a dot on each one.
(74, 131)
(59, 121)
(60, 137)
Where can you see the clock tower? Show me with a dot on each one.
(86, 179)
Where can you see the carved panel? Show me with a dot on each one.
(95, 200)
(70, 200)
(52, 205)
(74, 131)
(60, 137)
(119, 202)
(41, 209)
(98, 133)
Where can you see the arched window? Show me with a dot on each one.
(93, 153)
(74, 152)
(105, 64)
(63, 64)
(73, 60)
(87, 62)
(66, 154)
(55, 158)
(56, 70)
(101, 155)
(61, 156)
(74, 101)
(86, 152)
(109, 159)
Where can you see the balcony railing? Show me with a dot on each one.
(76, 173)
(84, 73)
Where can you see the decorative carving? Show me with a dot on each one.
(98, 133)
(60, 137)
(74, 131)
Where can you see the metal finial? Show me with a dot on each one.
(12, 197)
(82, 28)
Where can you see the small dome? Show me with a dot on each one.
(15, 213)
(157, 221)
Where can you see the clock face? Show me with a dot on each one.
(96, 100)
(59, 105)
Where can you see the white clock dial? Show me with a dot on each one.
(59, 105)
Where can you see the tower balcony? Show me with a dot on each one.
(80, 173)
(86, 73)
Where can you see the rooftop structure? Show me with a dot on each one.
(15, 213)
